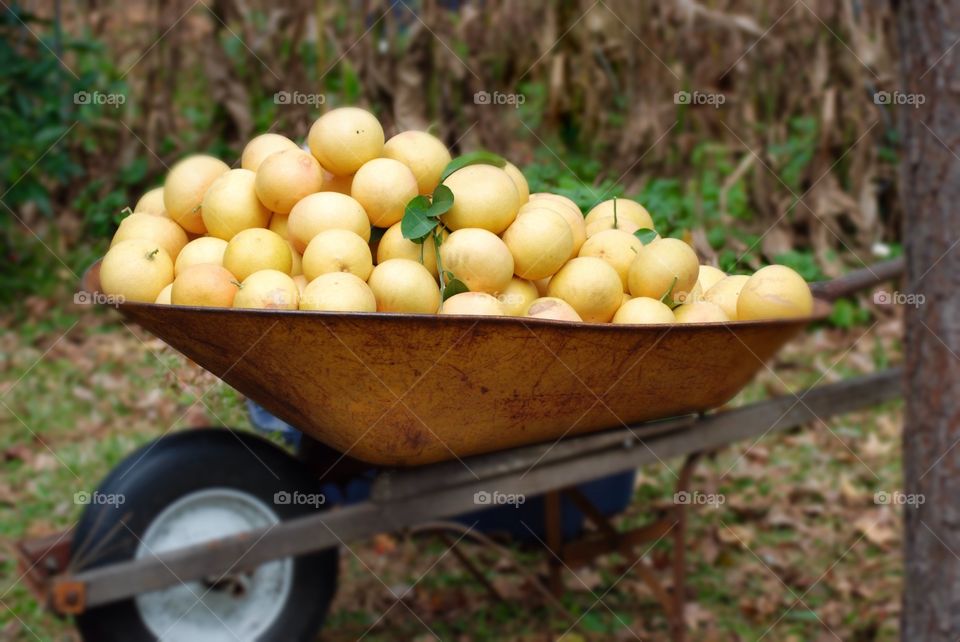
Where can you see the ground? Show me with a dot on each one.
(798, 550)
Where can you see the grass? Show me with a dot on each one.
(797, 550)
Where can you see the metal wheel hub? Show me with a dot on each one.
(227, 607)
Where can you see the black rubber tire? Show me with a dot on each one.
(171, 467)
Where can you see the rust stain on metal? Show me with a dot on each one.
(480, 384)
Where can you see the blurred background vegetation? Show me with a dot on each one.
(797, 165)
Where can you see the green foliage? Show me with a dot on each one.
(803, 262)
(847, 314)
(50, 125)
(793, 156)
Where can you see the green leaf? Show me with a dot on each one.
(646, 235)
(417, 224)
(454, 286)
(442, 201)
(473, 158)
(667, 296)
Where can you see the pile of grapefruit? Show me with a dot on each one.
(351, 222)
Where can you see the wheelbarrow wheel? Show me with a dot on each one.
(196, 486)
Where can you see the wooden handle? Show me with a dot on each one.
(858, 280)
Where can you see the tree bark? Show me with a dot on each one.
(930, 188)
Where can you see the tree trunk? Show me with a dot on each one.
(930, 176)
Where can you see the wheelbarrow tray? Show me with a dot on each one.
(409, 389)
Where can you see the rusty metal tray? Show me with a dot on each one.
(407, 390)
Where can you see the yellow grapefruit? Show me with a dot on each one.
(591, 286)
(478, 258)
(164, 297)
(424, 154)
(268, 290)
(339, 184)
(337, 251)
(571, 214)
(552, 308)
(700, 312)
(664, 266)
(344, 139)
(254, 250)
(616, 247)
(394, 246)
(185, 187)
(519, 181)
(725, 293)
(158, 229)
(230, 205)
(286, 177)
(136, 269)
(774, 292)
(383, 187)
(326, 211)
(206, 249)
(338, 292)
(627, 210)
(517, 296)
(540, 242)
(204, 285)
(152, 203)
(484, 197)
(257, 150)
(474, 304)
(643, 310)
(401, 285)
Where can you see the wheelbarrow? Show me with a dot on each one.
(223, 535)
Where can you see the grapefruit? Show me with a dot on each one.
(383, 187)
(158, 229)
(627, 210)
(774, 292)
(230, 205)
(540, 242)
(643, 310)
(257, 150)
(152, 203)
(254, 250)
(286, 177)
(206, 249)
(552, 308)
(136, 269)
(424, 154)
(473, 304)
(344, 139)
(617, 248)
(204, 285)
(725, 294)
(164, 297)
(663, 266)
(268, 290)
(570, 214)
(402, 285)
(519, 181)
(478, 258)
(326, 211)
(700, 312)
(517, 296)
(394, 246)
(484, 197)
(591, 286)
(337, 251)
(185, 187)
(338, 292)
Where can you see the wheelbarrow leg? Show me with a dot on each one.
(678, 623)
(554, 525)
